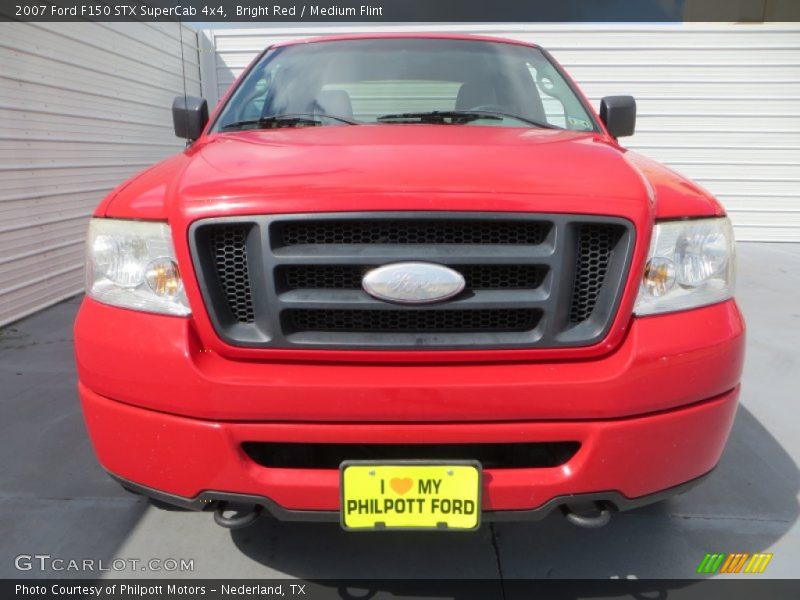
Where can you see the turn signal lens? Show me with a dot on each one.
(163, 278)
(659, 276)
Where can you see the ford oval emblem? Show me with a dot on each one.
(413, 283)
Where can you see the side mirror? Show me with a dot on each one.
(619, 115)
(189, 116)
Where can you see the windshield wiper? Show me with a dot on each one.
(289, 120)
(457, 117)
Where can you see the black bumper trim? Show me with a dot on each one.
(209, 499)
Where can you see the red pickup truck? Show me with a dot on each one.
(408, 282)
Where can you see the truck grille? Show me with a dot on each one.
(294, 281)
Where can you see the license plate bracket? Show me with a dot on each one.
(410, 495)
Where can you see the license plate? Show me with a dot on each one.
(410, 495)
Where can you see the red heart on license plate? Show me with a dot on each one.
(401, 485)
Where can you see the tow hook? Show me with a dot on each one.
(232, 516)
(592, 516)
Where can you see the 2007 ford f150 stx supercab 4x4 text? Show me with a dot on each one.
(408, 281)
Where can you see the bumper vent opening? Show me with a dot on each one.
(330, 456)
(412, 321)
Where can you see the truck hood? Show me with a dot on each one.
(414, 158)
(314, 167)
(393, 167)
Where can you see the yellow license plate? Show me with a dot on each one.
(410, 495)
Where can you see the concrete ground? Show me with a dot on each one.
(56, 500)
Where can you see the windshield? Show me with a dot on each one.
(401, 81)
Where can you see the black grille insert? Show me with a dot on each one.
(478, 277)
(444, 231)
(596, 245)
(330, 456)
(412, 321)
(228, 246)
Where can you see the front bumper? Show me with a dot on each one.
(188, 457)
(170, 418)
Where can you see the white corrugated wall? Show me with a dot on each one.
(82, 107)
(717, 102)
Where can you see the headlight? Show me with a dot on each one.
(132, 264)
(691, 264)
